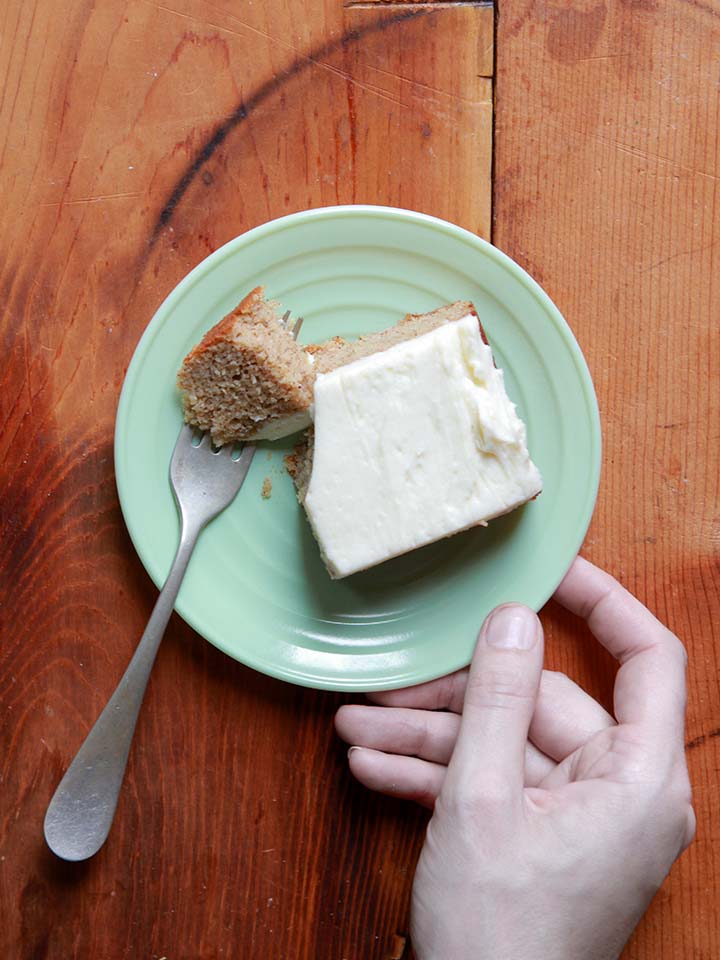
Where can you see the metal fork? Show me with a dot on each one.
(205, 481)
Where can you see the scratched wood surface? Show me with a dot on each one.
(137, 137)
(607, 180)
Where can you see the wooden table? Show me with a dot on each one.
(138, 136)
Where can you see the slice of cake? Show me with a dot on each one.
(414, 437)
(412, 442)
(247, 379)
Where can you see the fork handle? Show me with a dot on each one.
(81, 811)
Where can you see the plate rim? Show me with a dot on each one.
(280, 224)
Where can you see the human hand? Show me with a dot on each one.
(550, 847)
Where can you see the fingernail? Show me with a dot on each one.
(513, 627)
(350, 751)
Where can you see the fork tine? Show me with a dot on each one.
(292, 326)
(244, 460)
(184, 440)
(185, 435)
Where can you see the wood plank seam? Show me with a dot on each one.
(493, 121)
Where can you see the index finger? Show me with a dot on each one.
(444, 693)
(650, 685)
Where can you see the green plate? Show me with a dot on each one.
(256, 587)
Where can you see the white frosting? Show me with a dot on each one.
(282, 426)
(414, 444)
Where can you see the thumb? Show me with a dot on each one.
(489, 755)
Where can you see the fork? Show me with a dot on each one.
(205, 480)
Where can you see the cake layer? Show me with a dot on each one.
(249, 380)
(412, 444)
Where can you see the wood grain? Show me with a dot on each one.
(607, 177)
(137, 137)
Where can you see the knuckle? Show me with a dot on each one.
(678, 809)
(677, 647)
(678, 802)
(501, 688)
(683, 789)
(456, 689)
(425, 793)
(420, 736)
(470, 800)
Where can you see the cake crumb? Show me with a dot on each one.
(291, 464)
(267, 488)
